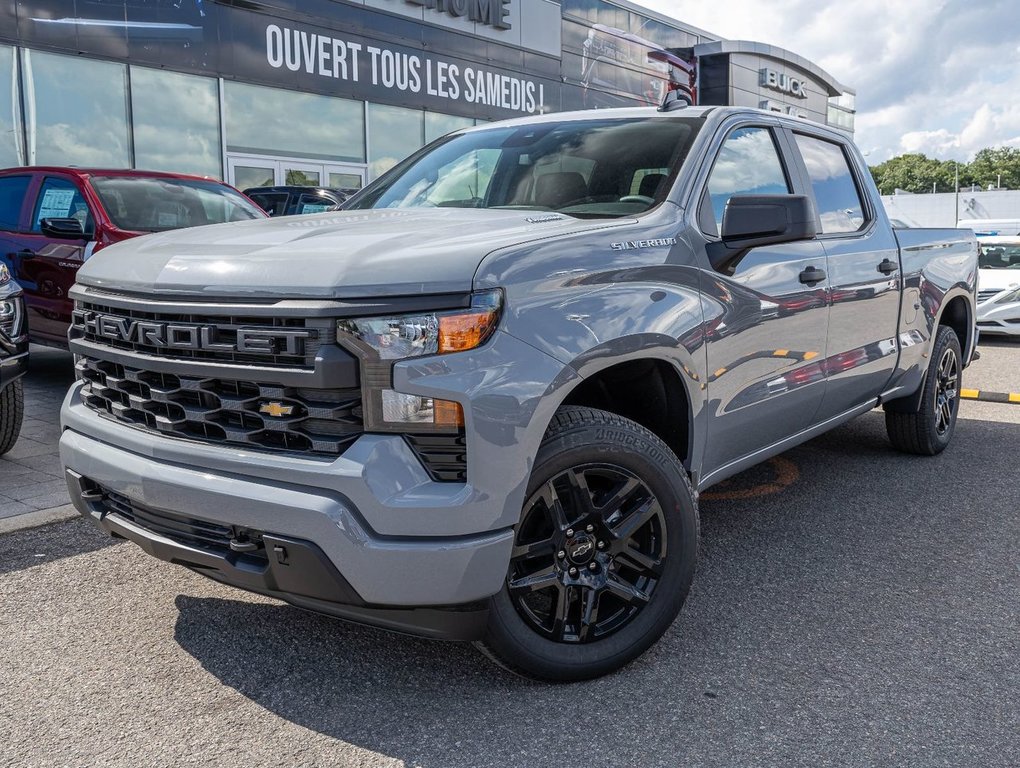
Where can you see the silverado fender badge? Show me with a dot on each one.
(630, 245)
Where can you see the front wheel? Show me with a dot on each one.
(604, 553)
(929, 430)
(12, 410)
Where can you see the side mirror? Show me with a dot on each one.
(750, 221)
(62, 229)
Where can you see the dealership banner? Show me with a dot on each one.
(312, 45)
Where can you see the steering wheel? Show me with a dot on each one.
(637, 199)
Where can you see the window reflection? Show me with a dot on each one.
(10, 119)
(271, 121)
(437, 125)
(396, 132)
(76, 111)
(176, 122)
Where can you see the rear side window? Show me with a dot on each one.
(60, 199)
(748, 164)
(836, 195)
(273, 203)
(12, 195)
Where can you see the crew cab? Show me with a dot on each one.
(52, 219)
(481, 401)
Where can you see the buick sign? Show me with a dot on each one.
(783, 83)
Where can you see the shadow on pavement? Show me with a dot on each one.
(863, 611)
(35, 546)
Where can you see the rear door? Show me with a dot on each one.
(766, 322)
(864, 275)
(48, 266)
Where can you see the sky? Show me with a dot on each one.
(934, 76)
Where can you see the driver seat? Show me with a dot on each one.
(553, 190)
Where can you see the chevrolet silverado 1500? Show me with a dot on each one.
(480, 404)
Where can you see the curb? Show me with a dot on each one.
(37, 518)
(1012, 398)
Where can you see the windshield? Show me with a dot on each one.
(586, 168)
(157, 204)
(999, 255)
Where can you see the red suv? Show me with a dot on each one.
(53, 219)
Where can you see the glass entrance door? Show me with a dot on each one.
(247, 171)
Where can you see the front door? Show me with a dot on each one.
(766, 322)
(46, 267)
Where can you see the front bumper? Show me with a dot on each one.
(999, 318)
(399, 540)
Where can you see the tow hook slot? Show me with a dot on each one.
(244, 541)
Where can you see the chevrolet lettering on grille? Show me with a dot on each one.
(191, 336)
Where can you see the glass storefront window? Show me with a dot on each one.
(11, 150)
(270, 121)
(395, 132)
(176, 122)
(437, 125)
(75, 110)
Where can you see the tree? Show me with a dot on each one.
(990, 164)
(915, 172)
(994, 166)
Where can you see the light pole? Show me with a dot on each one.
(956, 184)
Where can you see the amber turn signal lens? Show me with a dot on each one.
(447, 413)
(466, 331)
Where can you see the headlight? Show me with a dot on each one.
(426, 333)
(5, 275)
(1010, 297)
(382, 341)
(10, 317)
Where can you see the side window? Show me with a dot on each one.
(12, 195)
(748, 164)
(313, 204)
(60, 199)
(836, 195)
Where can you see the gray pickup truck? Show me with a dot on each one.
(480, 404)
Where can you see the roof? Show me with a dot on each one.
(83, 172)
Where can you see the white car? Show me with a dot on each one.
(998, 310)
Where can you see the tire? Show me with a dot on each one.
(12, 410)
(928, 431)
(583, 605)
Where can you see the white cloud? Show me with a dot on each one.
(934, 77)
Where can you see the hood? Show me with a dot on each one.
(338, 255)
(998, 279)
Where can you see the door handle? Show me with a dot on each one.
(811, 275)
(887, 267)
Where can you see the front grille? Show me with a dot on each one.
(224, 411)
(321, 332)
(199, 534)
(984, 296)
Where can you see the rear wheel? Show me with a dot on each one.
(12, 409)
(928, 431)
(604, 553)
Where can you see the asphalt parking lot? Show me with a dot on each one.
(853, 606)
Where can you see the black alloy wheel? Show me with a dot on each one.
(603, 555)
(946, 388)
(927, 430)
(588, 554)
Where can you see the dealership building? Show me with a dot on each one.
(334, 92)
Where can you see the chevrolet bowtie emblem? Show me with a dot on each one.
(276, 410)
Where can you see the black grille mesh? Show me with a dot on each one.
(223, 410)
